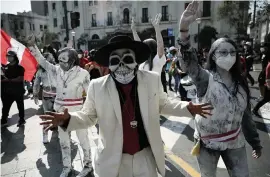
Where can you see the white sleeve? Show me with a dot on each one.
(158, 63)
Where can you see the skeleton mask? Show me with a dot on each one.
(122, 65)
(65, 61)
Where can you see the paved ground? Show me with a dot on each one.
(24, 155)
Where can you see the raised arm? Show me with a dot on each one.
(39, 57)
(160, 43)
(37, 82)
(189, 62)
(134, 32)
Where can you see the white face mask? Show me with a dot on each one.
(65, 62)
(262, 50)
(79, 55)
(225, 56)
(226, 62)
(123, 68)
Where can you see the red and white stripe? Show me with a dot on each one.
(26, 59)
(224, 137)
(49, 93)
(69, 102)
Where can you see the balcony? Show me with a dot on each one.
(94, 24)
(145, 19)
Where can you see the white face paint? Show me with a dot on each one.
(63, 61)
(225, 56)
(122, 65)
(262, 50)
(80, 55)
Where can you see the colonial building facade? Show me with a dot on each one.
(101, 18)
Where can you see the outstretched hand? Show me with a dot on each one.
(53, 119)
(189, 15)
(155, 22)
(201, 109)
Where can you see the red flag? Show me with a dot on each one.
(26, 59)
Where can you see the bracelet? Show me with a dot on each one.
(184, 31)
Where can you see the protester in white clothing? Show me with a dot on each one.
(48, 89)
(71, 82)
(127, 104)
(157, 59)
(222, 84)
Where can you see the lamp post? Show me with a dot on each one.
(73, 38)
(199, 23)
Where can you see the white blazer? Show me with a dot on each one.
(103, 103)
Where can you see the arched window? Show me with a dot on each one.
(95, 36)
(126, 16)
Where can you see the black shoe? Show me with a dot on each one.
(21, 122)
(256, 114)
(4, 122)
(171, 89)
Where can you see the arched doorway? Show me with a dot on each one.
(95, 36)
(126, 16)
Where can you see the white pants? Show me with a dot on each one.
(141, 164)
(66, 150)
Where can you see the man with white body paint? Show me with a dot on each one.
(127, 104)
(48, 89)
(71, 81)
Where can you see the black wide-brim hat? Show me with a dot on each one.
(141, 50)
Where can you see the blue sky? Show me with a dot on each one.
(14, 6)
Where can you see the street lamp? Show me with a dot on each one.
(73, 38)
(199, 20)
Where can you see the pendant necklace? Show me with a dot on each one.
(133, 122)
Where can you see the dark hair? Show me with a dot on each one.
(152, 44)
(71, 54)
(235, 71)
(49, 49)
(13, 54)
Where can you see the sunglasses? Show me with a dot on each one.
(126, 59)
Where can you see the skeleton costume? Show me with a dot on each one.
(224, 133)
(127, 104)
(71, 81)
(49, 88)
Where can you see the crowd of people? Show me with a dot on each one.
(123, 86)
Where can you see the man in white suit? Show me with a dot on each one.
(128, 103)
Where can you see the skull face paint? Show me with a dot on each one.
(122, 65)
(64, 61)
(225, 55)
